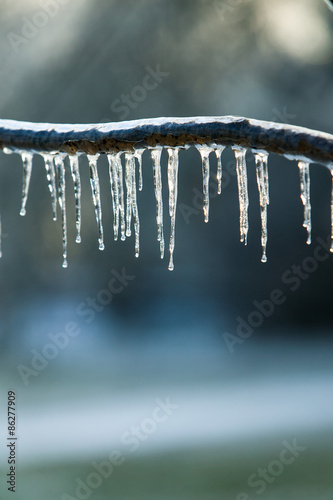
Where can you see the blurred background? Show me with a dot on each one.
(242, 349)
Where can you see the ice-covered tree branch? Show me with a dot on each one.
(288, 140)
(207, 134)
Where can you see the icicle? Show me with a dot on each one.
(74, 164)
(0, 237)
(27, 168)
(262, 181)
(138, 155)
(304, 173)
(51, 180)
(96, 195)
(204, 153)
(156, 159)
(135, 211)
(173, 193)
(242, 193)
(59, 163)
(121, 197)
(113, 173)
(129, 165)
(218, 151)
(331, 249)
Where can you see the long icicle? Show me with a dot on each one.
(262, 181)
(135, 210)
(204, 153)
(96, 196)
(121, 197)
(74, 165)
(128, 180)
(218, 152)
(27, 168)
(331, 249)
(51, 180)
(156, 159)
(138, 155)
(113, 174)
(304, 172)
(242, 192)
(59, 164)
(173, 162)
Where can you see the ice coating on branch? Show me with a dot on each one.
(113, 174)
(27, 168)
(242, 192)
(96, 196)
(261, 160)
(204, 153)
(173, 193)
(74, 165)
(59, 164)
(304, 172)
(138, 155)
(51, 181)
(218, 152)
(156, 159)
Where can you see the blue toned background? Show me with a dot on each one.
(245, 374)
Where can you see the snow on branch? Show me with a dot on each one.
(288, 140)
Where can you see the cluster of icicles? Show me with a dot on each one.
(123, 183)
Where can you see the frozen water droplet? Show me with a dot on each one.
(204, 153)
(261, 160)
(218, 151)
(74, 165)
(173, 162)
(51, 181)
(138, 155)
(96, 196)
(59, 164)
(304, 172)
(156, 159)
(113, 173)
(27, 168)
(242, 192)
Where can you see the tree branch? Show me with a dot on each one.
(288, 140)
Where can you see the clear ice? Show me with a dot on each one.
(173, 162)
(27, 168)
(304, 172)
(59, 164)
(113, 174)
(261, 160)
(204, 153)
(218, 152)
(242, 193)
(51, 181)
(96, 196)
(74, 165)
(156, 159)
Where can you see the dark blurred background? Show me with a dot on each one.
(169, 333)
